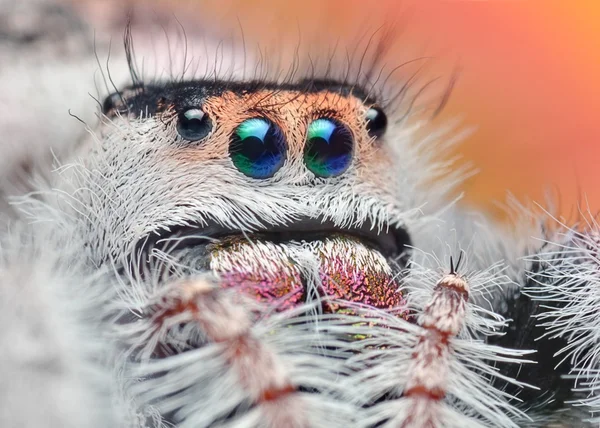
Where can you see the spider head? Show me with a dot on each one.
(288, 190)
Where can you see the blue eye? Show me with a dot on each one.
(329, 147)
(257, 148)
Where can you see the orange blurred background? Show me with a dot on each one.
(529, 78)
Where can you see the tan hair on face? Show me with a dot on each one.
(292, 111)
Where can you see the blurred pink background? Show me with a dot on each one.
(531, 83)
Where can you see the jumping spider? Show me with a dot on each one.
(279, 252)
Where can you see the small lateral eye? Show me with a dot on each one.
(376, 122)
(115, 102)
(193, 124)
(258, 148)
(329, 147)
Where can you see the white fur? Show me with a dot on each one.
(568, 282)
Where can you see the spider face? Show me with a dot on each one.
(262, 185)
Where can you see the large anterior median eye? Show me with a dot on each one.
(258, 148)
(329, 147)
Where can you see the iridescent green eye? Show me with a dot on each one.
(257, 148)
(329, 147)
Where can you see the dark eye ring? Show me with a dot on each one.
(193, 124)
(376, 122)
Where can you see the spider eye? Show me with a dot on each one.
(376, 122)
(115, 102)
(193, 124)
(257, 148)
(329, 147)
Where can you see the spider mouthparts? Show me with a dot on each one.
(291, 264)
(340, 268)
